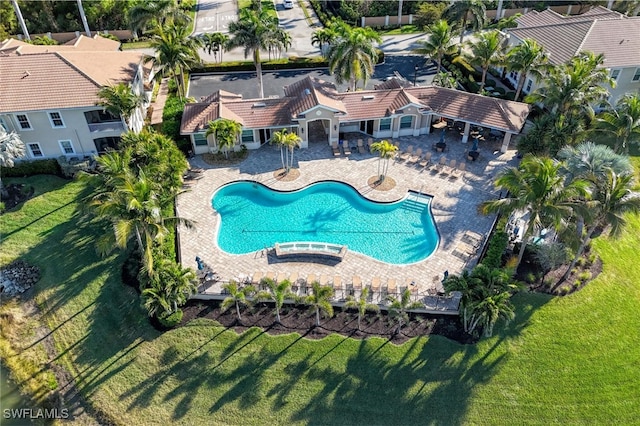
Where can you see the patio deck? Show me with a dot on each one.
(454, 207)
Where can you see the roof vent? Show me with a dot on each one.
(307, 92)
(26, 74)
(368, 97)
(259, 105)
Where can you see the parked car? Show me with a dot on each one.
(288, 4)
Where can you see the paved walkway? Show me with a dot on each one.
(454, 207)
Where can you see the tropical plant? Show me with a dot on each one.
(621, 123)
(352, 57)
(215, 43)
(538, 188)
(120, 101)
(176, 52)
(319, 300)
(156, 299)
(11, 148)
(489, 310)
(237, 296)
(156, 14)
(279, 41)
(386, 151)
(439, 42)
(488, 50)
(592, 162)
(287, 142)
(445, 79)
(276, 292)
(361, 304)
(463, 10)
(225, 133)
(399, 306)
(527, 58)
(428, 13)
(550, 256)
(170, 284)
(323, 37)
(252, 31)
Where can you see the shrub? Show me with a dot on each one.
(33, 167)
(171, 320)
(491, 83)
(564, 290)
(592, 258)
(584, 276)
(497, 246)
(499, 90)
(428, 13)
(581, 262)
(2, 207)
(530, 278)
(548, 282)
(172, 116)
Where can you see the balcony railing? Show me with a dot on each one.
(109, 126)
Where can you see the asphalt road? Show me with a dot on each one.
(245, 83)
(214, 16)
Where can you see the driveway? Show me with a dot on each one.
(293, 20)
(214, 16)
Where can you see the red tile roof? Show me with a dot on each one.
(549, 17)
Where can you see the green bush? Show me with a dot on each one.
(491, 83)
(277, 64)
(33, 167)
(497, 246)
(428, 13)
(499, 90)
(172, 116)
(581, 262)
(171, 320)
(3, 207)
(584, 276)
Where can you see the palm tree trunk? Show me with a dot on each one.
(439, 60)
(484, 77)
(317, 317)
(258, 64)
(579, 252)
(521, 79)
(238, 310)
(359, 315)
(523, 244)
(291, 159)
(282, 157)
(277, 314)
(139, 238)
(352, 84)
(464, 26)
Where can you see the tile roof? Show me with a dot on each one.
(392, 83)
(105, 68)
(218, 95)
(96, 42)
(311, 92)
(81, 43)
(550, 17)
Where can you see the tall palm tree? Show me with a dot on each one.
(319, 300)
(215, 43)
(527, 58)
(252, 31)
(488, 50)
(11, 148)
(237, 296)
(439, 43)
(400, 305)
(353, 55)
(574, 88)
(156, 13)
(278, 293)
(121, 101)
(225, 133)
(175, 53)
(361, 304)
(323, 37)
(386, 151)
(622, 123)
(287, 142)
(538, 188)
(492, 308)
(462, 10)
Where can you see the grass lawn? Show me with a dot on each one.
(562, 360)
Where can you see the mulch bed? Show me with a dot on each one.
(17, 193)
(299, 319)
(387, 184)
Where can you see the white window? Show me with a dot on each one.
(247, 136)
(406, 122)
(200, 139)
(36, 152)
(615, 74)
(67, 147)
(636, 76)
(23, 121)
(527, 89)
(56, 119)
(385, 124)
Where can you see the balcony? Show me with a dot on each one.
(109, 126)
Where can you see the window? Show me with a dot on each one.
(385, 124)
(100, 116)
(36, 152)
(104, 144)
(615, 74)
(23, 121)
(528, 86)
(200, 139)
(56, 119)
(247, 136)
(406, 122)
(636, 76)
(67, 147)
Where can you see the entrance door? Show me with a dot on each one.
(366, 126)
(265, 135)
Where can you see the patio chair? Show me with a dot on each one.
(257, 277)
(375, 287)
(357, 284)
(450, 168)
(361, 149)
(337, 287)
(406, 154)
(325, 280)
(335, 149)
(311, 278)
(441, 164)
(281, 276)
(345, 148)
(459, 172)
(293, 279)
(392, 287)
(369, 143)
(473, 238)
(425, 160)
(415, 157)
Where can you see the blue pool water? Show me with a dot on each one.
(254, 217)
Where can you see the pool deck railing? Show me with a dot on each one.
(303, 248)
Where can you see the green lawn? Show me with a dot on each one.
(562, 360)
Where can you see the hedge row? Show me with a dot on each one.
(30, 168)
(495, 251)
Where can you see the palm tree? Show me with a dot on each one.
(622, 123)
(175, 53)
(527, 58)
(592, 162)
(361, 304)
(399, 307)
(278, 293)
(156, 299)
(323, 37)
(489, 310)
(353, 55)
(215, 43)
(575, 87)
(319, 300)
(386, 151)
(439, 43)
(120, 101)
(287, 142)
(237, 296)
(225, 133)
(538, 188)
(488, 50)
(462, 10)
(11, 148)
(172, 282)
(252, 31)
(467, 285)
(158, 12)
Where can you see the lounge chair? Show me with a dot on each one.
(425, 160)
(357, 284)
(335, 149)
(257, 277)
(311, 278)
(472, 238)
(337, 287)
(361, 149)
(392, 287)
(369, 143)
(450, 168)
(325, 280)
(406, 154)
(459, 172)
(441, 163)
(293, 279)
(345, 148)
(375, 287)
(415, 157)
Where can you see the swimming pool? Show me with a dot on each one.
(253, 217)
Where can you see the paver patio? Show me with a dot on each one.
(454, 208)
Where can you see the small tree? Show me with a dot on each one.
(386, 151)
(225, 133)
(11, 148)
(215, 43)
(439, 43)
(277, 293)
(550, 256)
(120, 101)
(287, 142)
(399, 307)
(318, 300)
(361, 304)
(237, 296)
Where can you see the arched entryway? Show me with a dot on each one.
(319, 130)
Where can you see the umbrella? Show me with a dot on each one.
(200, 263)
(442, 136)
(475, 145)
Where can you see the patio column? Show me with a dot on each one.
(428, 119)
(505, 142)
(465, 135)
